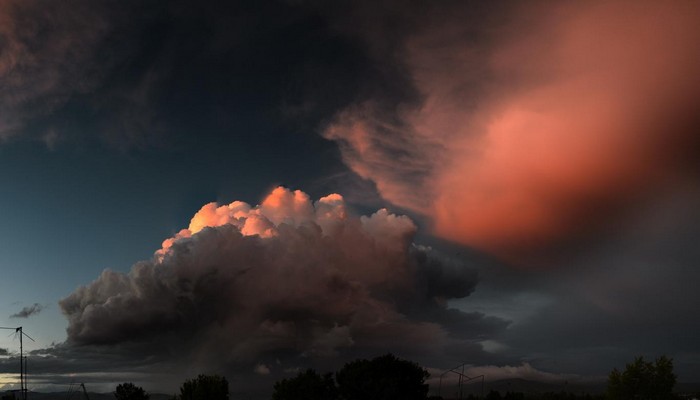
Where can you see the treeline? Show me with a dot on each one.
(563, 395)
(640, 380)
(203, 387)
(390, 378)
(385, 377)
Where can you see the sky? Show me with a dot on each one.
(255, 188)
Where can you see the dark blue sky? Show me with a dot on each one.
(546, 156)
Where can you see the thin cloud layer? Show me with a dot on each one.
(523, 371)
(28, 311)
(289, 279)
(537, 128)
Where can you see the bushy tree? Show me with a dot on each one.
(382, 378)
(129, 391)
(205, 387)
(307, 385)
(643, 380)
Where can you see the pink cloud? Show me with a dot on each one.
(572, 115)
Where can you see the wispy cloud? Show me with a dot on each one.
(28, 311)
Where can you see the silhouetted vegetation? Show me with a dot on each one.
(204, 387)
(493, 395)
(308, 385)
(496, 395)
(514, 396)
(565, 396)
(129, 391)
(643, 380)
(382, 378)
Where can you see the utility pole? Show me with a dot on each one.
(75, 388)
(22, 361)
(82, 385)
(462, 379)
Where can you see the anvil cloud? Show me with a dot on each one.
(534, 129)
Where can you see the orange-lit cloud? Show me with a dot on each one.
(287, 279)
(573, 115)
(281, 206)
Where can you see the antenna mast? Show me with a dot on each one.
(22, 365)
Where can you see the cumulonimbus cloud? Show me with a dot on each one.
(289, 277)
(551, 124)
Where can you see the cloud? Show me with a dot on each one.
(506, 378)
(48, 56)
(537, 127)
(261, 369)
(27, 312)
(59, 58)
(289, 279)
(523, 371)
(622, 303)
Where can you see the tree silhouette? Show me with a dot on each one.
(129, 391)
(307, 385)
(643, 380)
(493, 395)
(382, 378)
(205, 387)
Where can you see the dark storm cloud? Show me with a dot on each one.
(284, 284)
(635, 297)
(142, 75)
(607, 193)
(100, 368)
(409, 83)
(27, 312)
(49, 54)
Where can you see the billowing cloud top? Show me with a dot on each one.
(286, 278)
